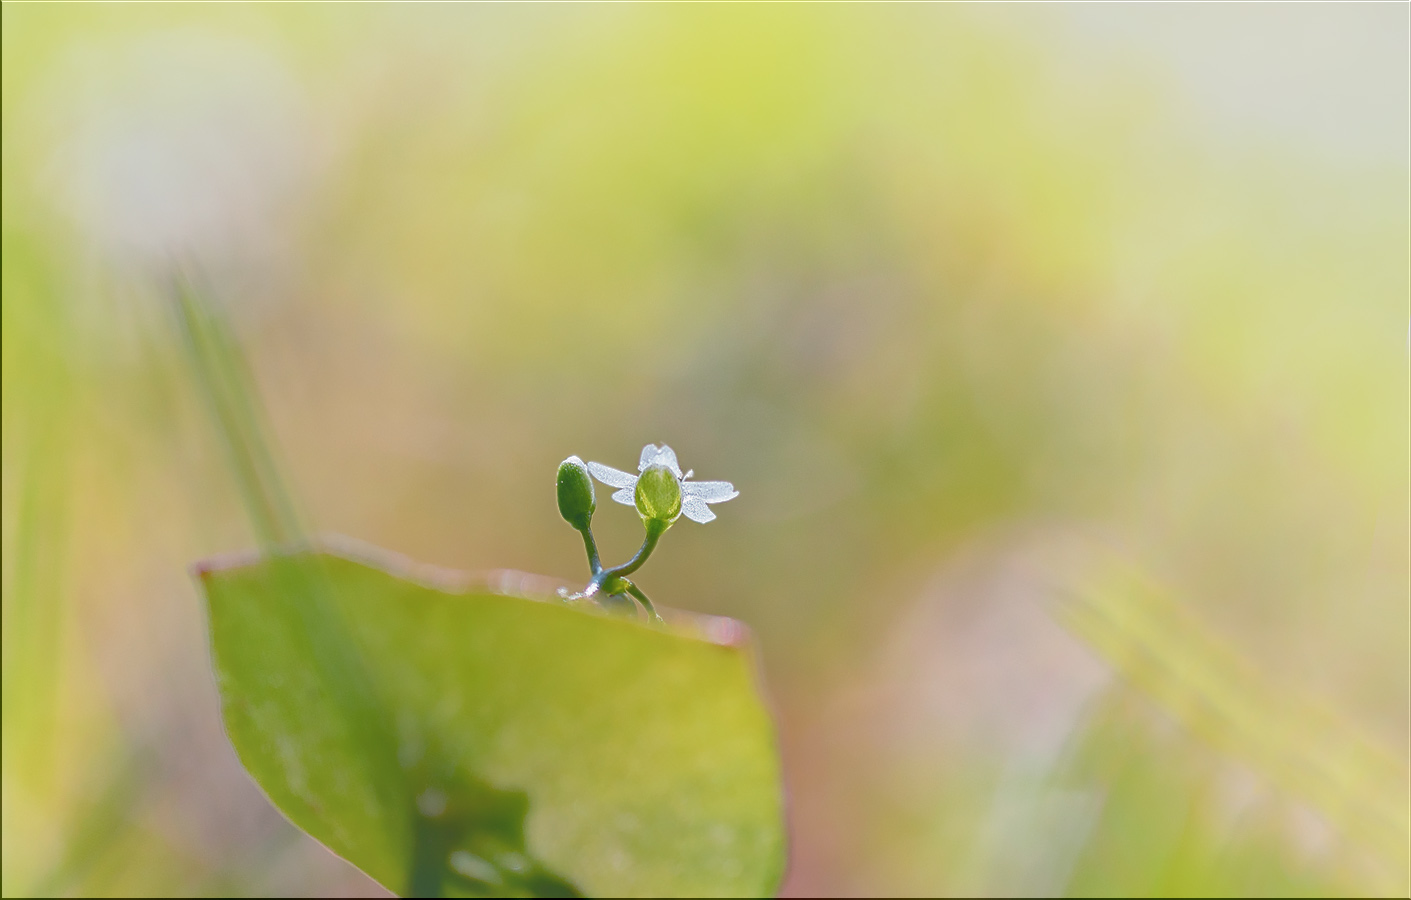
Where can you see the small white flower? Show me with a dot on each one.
(694, 494)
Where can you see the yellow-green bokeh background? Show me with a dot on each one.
(968, 302)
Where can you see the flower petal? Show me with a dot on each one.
(696, 510)
(709, 491)
(652, 455)
(626, 497)
(612, 477)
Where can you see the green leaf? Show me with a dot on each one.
(467, 740)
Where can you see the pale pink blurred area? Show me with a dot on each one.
(1057, 353)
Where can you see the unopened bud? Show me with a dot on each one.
(576, 499)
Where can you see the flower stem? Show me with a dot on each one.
(654, 533)
(592, 547)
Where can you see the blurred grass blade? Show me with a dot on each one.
(1167, 824)
(99, 824)
(1305, 750)
(35, 601)
(38, 408)
(228, 387)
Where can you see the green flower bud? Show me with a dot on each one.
(658, 495)
(576, 499)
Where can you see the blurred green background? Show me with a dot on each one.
(1059, 354)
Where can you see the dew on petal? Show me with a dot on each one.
(696, 510)
(652, 455)
(612, 477)
(709, 491)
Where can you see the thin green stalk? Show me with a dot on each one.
(642, 598)
(591, 546)
(635, 563)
